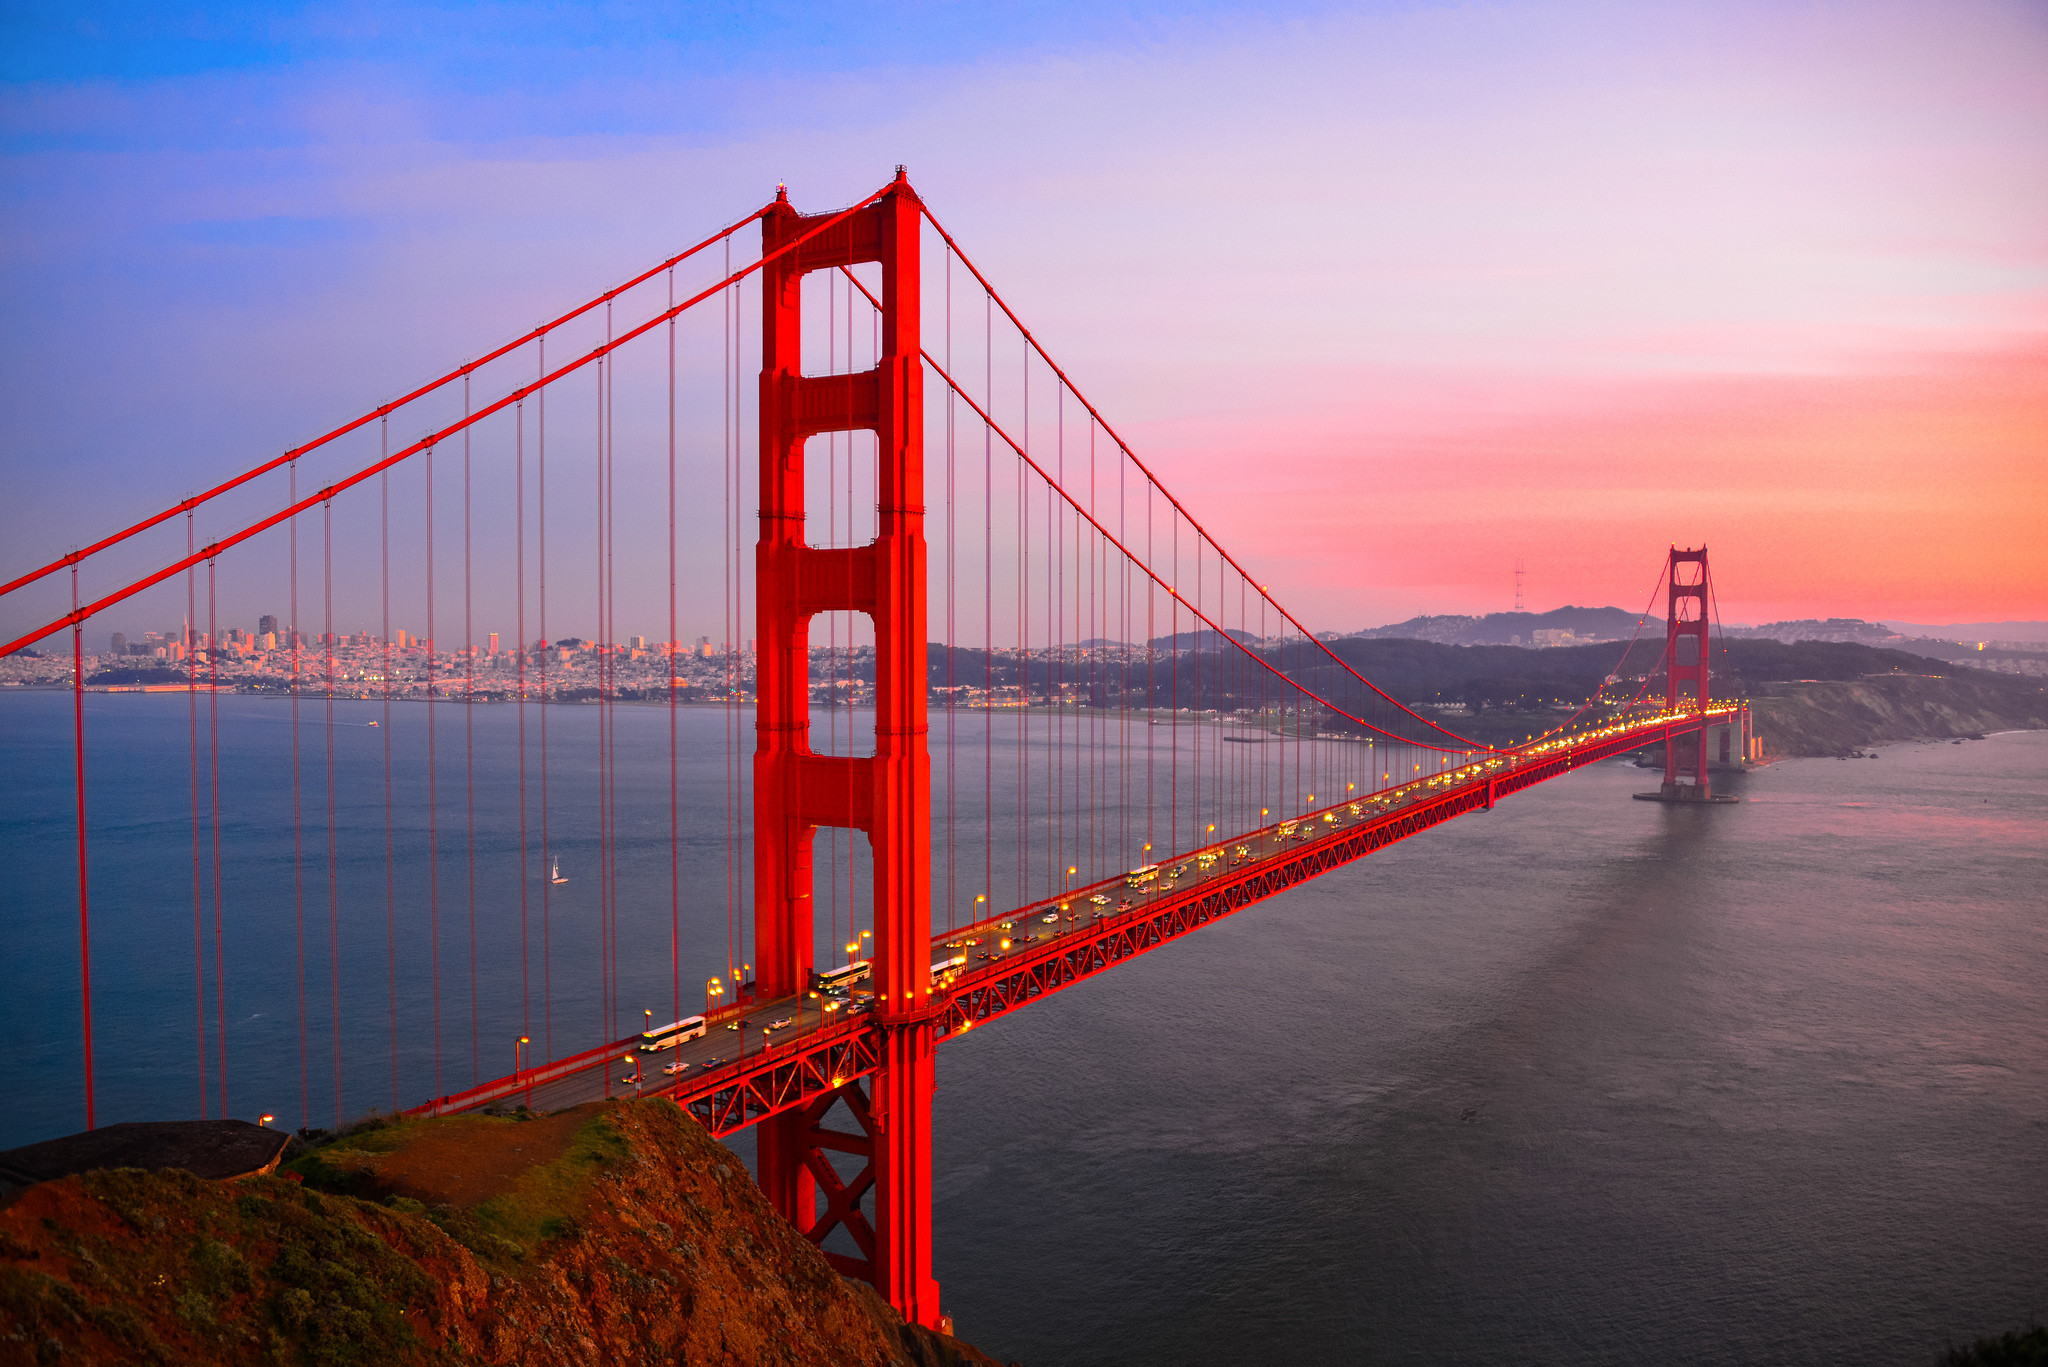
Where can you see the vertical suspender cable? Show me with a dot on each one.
(84, 903)
(988, 589)
(520, 647)
(675, 868)
(390, 850)
(604, 982)
(952, 530)
(186, 646)
(469, 751)
(547, 853)
(333, 864)
(298, 818)
(730, 456)
(433, 788)
(220, 977)
(831, 631)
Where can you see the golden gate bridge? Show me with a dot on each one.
(1089, 730)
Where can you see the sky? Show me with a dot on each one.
(1393, 296)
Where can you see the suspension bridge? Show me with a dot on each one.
(1007, 695)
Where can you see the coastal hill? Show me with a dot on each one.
(1510, 628)
(616, 1232)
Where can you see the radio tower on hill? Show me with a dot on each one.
(1518, 584)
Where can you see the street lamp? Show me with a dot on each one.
(649, 1013)
(518, 1046)
(265, 1120)
(712, 988)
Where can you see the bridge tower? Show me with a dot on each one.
(1685, 676)
(886, 796)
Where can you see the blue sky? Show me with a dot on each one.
(1541, 262)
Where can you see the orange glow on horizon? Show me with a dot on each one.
(1916, 493)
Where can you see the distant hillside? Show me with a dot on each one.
(1819, 629)
(1976, 631)
(1509, 628)
(1205, 639)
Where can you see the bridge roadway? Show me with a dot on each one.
(767, 1057)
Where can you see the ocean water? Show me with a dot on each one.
(1579, 1080)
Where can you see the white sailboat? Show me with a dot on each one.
(555, 874)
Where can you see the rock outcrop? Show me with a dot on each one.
(1835, 717)
(616, 1233)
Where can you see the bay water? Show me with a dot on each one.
(1581, 1079)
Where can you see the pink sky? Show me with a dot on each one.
(1391, 300)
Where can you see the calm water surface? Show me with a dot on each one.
(1579, 1080)
(1582, 1080)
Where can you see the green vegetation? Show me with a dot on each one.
(324, 1291)
(546, 1201)
(2019, 1348)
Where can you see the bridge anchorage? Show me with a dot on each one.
(1118, 646)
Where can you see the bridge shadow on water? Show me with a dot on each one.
(1581, 1080)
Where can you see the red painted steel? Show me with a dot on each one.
(84, 903)
(1685, 673)
(887, 796)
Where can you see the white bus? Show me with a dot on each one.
(841, 980)
(669, 1036)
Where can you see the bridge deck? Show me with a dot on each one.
(779, 1054)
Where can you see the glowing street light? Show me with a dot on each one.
(518, 1061)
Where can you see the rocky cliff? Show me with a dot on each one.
(1832, 717)
(615, 1233)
